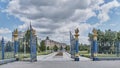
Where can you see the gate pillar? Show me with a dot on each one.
(33, 45)
(94, 45)
(76, 45)
(15, 35)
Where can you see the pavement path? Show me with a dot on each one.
(52, 57)
(46, 57)
(84, 59)
(66, 57)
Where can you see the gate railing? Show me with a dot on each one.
(6, 52)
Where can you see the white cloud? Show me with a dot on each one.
(4, 1)
(105, 9)
(56, 18)
(5, 38)
(83, 40)
(82, 15)
(4, 31)
(113, 25)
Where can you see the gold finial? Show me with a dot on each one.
(94, 31)
(15, 34)
(76, 33)
(94, 34)
(16, 31)
(34, 32)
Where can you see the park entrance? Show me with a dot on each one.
(104, 46)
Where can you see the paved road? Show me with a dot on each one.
(66, 57)
(63, 64)
(52, 57)
(51, 61)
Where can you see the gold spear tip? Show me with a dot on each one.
(15, 31)
(94, 31)
(77, 31)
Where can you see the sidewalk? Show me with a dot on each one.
(7, 60)
(46, 57)
(52, 57)
(84, 59)
(66, 57)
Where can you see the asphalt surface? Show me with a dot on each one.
(62, 62)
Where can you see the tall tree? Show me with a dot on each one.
(118, 36)
(55, 48)
(67, 48)
(48, 48)
(42, 47)
(27, 40)
(106, 40)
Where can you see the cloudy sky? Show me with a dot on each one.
(55, 18)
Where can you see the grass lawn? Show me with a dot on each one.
(27, 55)
(83, 52)
(21, 55)
(43, 53)
(7, 55)
(107, 55)
(86, 54)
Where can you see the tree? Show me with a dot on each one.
(106, 40)
(61, 48)
(48, 48)
(38, 45)
(84, 47)
(90, 37)
(55, 48)
(100, 39)
(110, 37)
(118, 36)
(67, 48)
(27, 40)
(42, 47)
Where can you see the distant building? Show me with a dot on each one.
(52, 43)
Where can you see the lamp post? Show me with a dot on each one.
(76, 45)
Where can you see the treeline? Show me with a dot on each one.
(107, 41)
(84, 47)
